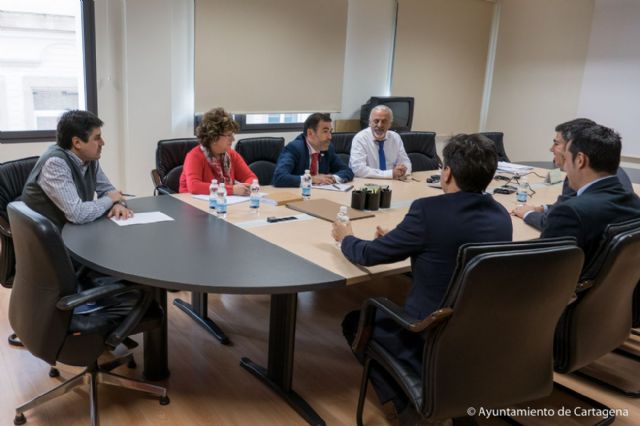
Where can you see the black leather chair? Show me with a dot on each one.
(600, 319)
(13, 176)
(421, 149)
(261, 154)
(41, 311)
(342, 144)
(483, 332)
(497, 138)
(170, 155)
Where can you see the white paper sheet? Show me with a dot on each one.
(342, 187)
(141, 218)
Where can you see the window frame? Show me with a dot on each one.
(265, 127)
(87, 13)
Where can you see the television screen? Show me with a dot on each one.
(402, 108)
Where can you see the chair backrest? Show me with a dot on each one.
(342, 144)
(170, 155)
(421, 149)
(497, 138)
(13, 176)
(261, 154)
(44, 274)
(600, 319)
(506, 300)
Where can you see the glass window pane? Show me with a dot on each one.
(41, 62)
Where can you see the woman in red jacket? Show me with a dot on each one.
(215, 159)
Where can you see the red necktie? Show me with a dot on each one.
(314, 163)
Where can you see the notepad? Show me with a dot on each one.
(281, 198)
(327, 210)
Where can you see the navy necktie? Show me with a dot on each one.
(383, 162)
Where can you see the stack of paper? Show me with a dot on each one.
(514, 168)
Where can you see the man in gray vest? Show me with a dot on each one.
(63, 184)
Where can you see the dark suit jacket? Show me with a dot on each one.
(586, 216)
(431, 233)
(294, 160)
(538, 219)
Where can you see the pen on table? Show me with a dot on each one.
(335, 186)
(127, 195)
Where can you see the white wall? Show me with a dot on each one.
(368, 54)
(611, 84)
(539, 64)
(145, 83)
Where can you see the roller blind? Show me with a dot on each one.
(440, 59)
(256, 56)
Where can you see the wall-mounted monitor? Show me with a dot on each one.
(402, 108)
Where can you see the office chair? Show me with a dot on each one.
(41, 310)
(261, 154)
(170, 155)
(497, 138)
(421, 149)
(483, 333)
(342, 144)
(13, 176)
(600, 319)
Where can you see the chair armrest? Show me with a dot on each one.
(155, 178)
(165, 190)
(4, 227)
(67, 303)
(367, 317)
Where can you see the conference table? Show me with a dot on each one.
(244, 254)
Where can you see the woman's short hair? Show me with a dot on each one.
(215, 123)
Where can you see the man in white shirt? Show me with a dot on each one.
(377, 152)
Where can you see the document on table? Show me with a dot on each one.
(141, 218)
(231, 199)
(342, 187)
(503, 166)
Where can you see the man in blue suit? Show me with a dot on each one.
(591, 161)
(536, 216)
(430, 234)
(311, 150)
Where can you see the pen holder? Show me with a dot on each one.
(372, 201)
(385, 198)
(357, 199)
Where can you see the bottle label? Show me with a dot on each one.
(213, 203)
(306, 191)
(222, 208)
(254, 202)
(521, 196)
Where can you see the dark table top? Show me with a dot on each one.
(196, 252)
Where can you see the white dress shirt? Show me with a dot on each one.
(365, 160)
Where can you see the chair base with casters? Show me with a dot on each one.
(93, 376)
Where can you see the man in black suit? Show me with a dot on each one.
(536, 216)
(430, 233)
(591, 160)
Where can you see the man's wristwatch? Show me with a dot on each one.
(123, 203)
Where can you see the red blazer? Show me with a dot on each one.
(197, 173)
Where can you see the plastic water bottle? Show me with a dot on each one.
(254, 198)
(522, 194)
(221, 201)
(342, 218)
(213, 194)
(305, 184)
